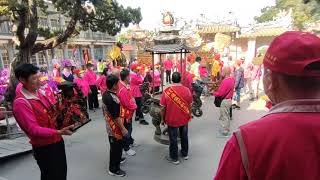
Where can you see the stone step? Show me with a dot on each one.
(13, 147)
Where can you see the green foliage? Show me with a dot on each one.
(110, 16)
(267, 14)
(303, 13)
(122, 38)
(48, 33)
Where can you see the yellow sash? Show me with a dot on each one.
(181, 103)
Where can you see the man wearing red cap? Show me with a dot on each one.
(284, 144)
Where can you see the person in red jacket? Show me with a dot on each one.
(128, 105)
(285, 143)
(176, 104)
(226, 91)
(30, 109)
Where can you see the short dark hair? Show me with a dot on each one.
(111, 81)
(124, 74)
(25, 71)
(176, 77)
(198, 59)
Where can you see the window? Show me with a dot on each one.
(5, 58)
(58, 53)
(42, 59)
(54, 23)
(4, 28)
(70, 54)
(34, 60)
(43, 22)
(98, 53)
(88, 35)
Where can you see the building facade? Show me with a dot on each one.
(93, 45)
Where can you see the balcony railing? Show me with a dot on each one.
(88, 35)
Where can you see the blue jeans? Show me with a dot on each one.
(237, 96)
(173, 137)
(128, 140)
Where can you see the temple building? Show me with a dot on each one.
(94, 45)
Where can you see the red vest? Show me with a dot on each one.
(40, 111)
(285, 144)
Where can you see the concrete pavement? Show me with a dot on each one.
(87, 150)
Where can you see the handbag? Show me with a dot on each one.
(218, 99)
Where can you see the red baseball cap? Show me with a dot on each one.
(133, 66)
(293, 53)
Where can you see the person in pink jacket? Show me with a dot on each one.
(30, 109)
(102, 81)
(82, 84)
(91, 78)
(136, 81)
(156, 79)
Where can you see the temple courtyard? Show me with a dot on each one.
(88, 150)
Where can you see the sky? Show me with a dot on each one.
(243, 10)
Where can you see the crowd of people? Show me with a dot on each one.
(291, 82)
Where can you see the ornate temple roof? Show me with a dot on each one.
(169, 48)
(279, 25)
(218, 28)
(264, 32)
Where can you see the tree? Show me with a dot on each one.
(303, 12)
(104, 16)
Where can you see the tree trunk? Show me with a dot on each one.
(24, 56)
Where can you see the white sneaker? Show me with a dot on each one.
(130, 152)
(185, 157)
(175, 162)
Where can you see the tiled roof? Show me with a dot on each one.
(168, 48)
(264, 32)
(217, 28)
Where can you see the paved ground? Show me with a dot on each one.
(87, 151)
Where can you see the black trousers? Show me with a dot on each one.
(139, 114)
(173, 137)
(93, 97)
(128, 140)
(116, 147)
(168, 76)
(52, 161)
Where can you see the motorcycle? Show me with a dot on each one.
(197, 88)
(146, 98)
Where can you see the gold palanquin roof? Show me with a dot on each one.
(218, 28)
(264, 32)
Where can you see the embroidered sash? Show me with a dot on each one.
(181, 103)
(113, 126)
